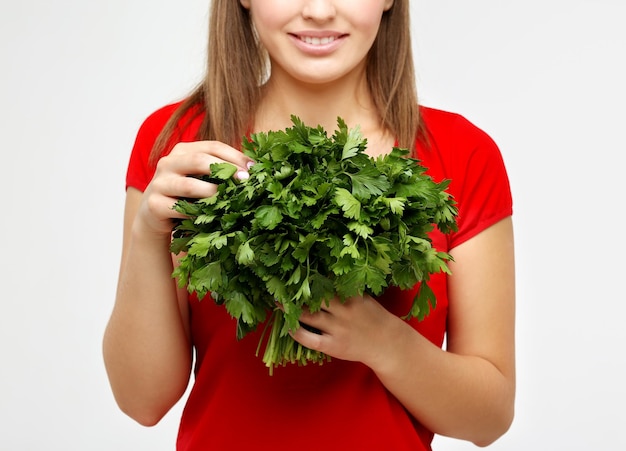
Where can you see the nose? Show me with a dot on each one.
(319, 10)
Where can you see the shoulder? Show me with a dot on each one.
(140, 167)
(181, 120)
(155, 121)
(452, 129)
(452, 142)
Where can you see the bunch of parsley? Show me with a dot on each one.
(316, 219)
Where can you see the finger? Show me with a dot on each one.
(191, 188)
(197, 157)
(311, 340)
(339, 307)
(158, 213)
(227, 153)
(316, 322)
(172, 187)
(315, 330)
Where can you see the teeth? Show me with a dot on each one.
(317, 41)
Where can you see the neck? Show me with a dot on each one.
(316, 104)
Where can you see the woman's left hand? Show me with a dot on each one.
(359, 329)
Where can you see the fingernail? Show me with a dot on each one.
(243, 175)
(250, 164)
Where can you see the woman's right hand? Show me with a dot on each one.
(147, 345)
(171, 181)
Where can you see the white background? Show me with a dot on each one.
(544, 77)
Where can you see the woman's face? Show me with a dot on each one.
(317, 41)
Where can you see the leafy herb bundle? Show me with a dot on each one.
(316, 219)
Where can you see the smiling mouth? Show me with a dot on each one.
(317, 41)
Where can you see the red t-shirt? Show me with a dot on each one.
(235, 404)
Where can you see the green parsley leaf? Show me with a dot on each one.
(316, 219)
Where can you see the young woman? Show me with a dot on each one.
(390, 385)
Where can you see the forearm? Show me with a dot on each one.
(465, 397)
(146, 346)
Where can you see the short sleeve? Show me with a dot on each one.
(459, 151)
(140, 170)
(479, 183)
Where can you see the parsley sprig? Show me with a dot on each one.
(316, 219)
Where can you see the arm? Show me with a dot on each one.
(466, 392)
(147, 347)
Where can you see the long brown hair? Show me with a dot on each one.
(237, 65)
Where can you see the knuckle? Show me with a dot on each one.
(186, 186)
(153, 205)
(179, 148)
(316, 343)
(199, 160)
(163, 164)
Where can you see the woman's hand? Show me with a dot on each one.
(360, 329)
(171, 181)
(466, 391)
